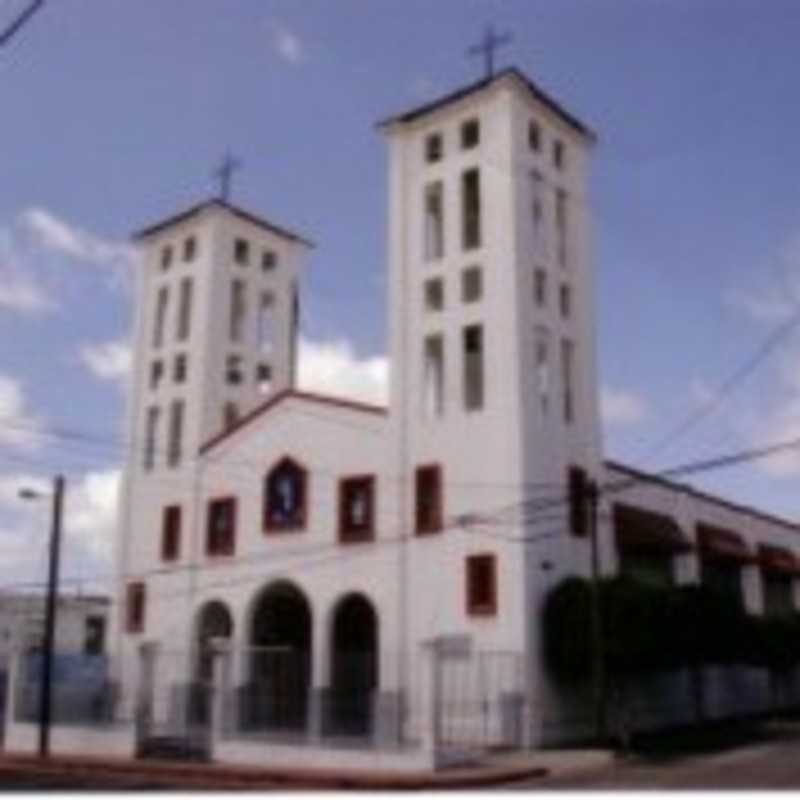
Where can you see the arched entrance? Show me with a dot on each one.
(214, 621)
(354, 664)
(280, 660)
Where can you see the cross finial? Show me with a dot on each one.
(491, 42)
(224, 172)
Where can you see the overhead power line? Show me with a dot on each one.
(14, 28)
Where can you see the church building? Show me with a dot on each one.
(330, 548)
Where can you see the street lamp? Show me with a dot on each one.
(45, 686)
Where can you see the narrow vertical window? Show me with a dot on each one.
(221, 527)
(534, 135)
(558, 154)
(470, 134)
(434, 221)
(189, 248)
(471, 209)
(156, 373)
(429, 500)
(481, 585)
(184, 309)
(540, 287)
(541, 371)
(537, 213)
(471, 285)
(179, 368)
(233, 370)
(562, 223)
(241, 252)
(433, 377)
(161, 315)
(237, 310)
(433, 148)
(473, 368)
(166, 256)
(268, 260)
(434, 294)
(265, 322)
(565, 301)
(357, 509)
(568, 378)
(151, 437)
(171, 533)
(135, 607)
(175, 439)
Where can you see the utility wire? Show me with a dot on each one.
(7, 34)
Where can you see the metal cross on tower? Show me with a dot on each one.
(491, 42)
(224, 173)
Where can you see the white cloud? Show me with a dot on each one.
(54, 234)
(287, 44)
(620, 407)
(21, 294)
(18, 427)
(108, 361)
(334, 368)
(768, 305)
(90, 518)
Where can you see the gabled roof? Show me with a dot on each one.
(230, 208)
(279, 397)
(460, 94)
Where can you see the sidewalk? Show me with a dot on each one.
(121, 773)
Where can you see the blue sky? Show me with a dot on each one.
(115, 113)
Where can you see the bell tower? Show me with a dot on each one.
(216, 328)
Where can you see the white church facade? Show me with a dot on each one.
(327, 547)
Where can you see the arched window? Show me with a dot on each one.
(285, 497)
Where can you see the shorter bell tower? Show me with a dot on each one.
(216, 327)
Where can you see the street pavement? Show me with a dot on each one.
(770, 764)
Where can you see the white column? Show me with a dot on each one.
(221, 682)
(429, 699)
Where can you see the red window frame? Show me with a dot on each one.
(171, 533)
(428, 478)
(481, 574)
(221, 543)
(135, 607)
(298, 524)
(348, 530)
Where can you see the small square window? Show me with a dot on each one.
(233, 370)
(481, 585)
(470, 134)
(156, 372)
(166, 256)
(268, 260)
(357, 509)
(471, 285)
(433, 148)
(565, 301)
(179, 368)
(534, 135)
(558, 154)
(189, 248)
(221, 530)
(540, 287)
(264, 378)
(434, 294)
(241, 252)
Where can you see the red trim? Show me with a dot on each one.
(337, 402)
(424, 527)
(349, 533)
(722, 544)
(481, 575)
(776, 559)
(229, 545)
(273, 527)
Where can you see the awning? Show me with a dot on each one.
(723, 544)
(772, 558)
(637, 529)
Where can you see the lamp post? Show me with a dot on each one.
(50, 610)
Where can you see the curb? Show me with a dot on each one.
(222, 777)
